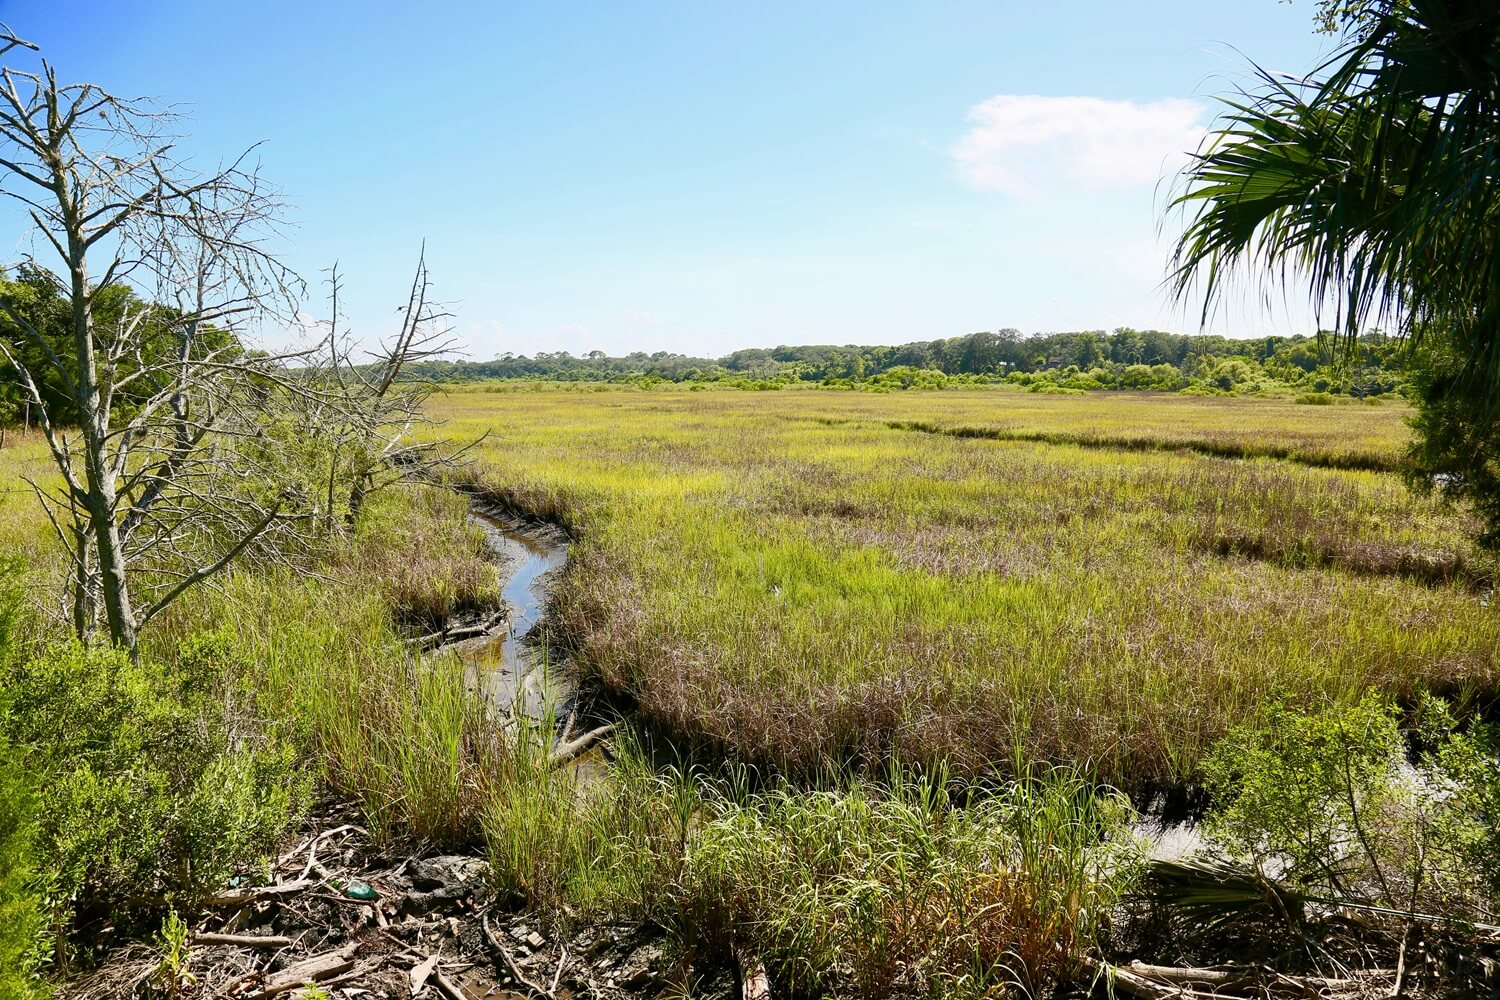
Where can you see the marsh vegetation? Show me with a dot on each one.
(989, 666)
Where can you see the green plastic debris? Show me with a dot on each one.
(360, 890)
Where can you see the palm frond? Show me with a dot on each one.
(1377, 189)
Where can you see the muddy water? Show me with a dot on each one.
(511, 664)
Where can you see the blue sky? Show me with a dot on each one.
(708, 176)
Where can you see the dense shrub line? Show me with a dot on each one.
(1124, 359)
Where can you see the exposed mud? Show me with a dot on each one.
(364, 921)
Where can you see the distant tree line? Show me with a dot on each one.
(1125, 359)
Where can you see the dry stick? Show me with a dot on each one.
(448, 987)
(311, 970)
(246, 940)
(567, 729)
(363, 969)
(1128, 982)
(510, 963)
(1156, 981)
(259, 892)
(569, 752)
(421, 972)
(755, 984)
(345, 899)
(557, 976)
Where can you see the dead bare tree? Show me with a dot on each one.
(371, 446)
(8, 40)
(190, 449)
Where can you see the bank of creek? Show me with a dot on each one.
(510, 662)
(365, 918)
(370, 918)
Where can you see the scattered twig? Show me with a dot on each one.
(510, 963)
(312, 841)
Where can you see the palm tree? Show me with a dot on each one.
(1378, 186)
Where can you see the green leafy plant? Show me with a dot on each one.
(22, 913)
(173, 975)
(1321, 813)
(1295, 793)
(153, 794)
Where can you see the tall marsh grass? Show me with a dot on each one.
(788, 579)
(898, 887)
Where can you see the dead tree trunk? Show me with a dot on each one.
(190, 449)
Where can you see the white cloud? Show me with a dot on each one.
(1030, 146)
(641, 317)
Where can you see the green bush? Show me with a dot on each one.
(1294, 789)
(22, 912)
(22, 909)
(1327, 802)
(154, 792)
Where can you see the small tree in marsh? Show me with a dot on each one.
(189, 449)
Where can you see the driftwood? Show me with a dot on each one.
(1161, 982)
(245, 940)
(568, 752)
(510, 964)
(311, 970)
(1138, 986)
(447, 635)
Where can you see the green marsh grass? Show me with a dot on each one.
(794, 579)
(783, 584)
